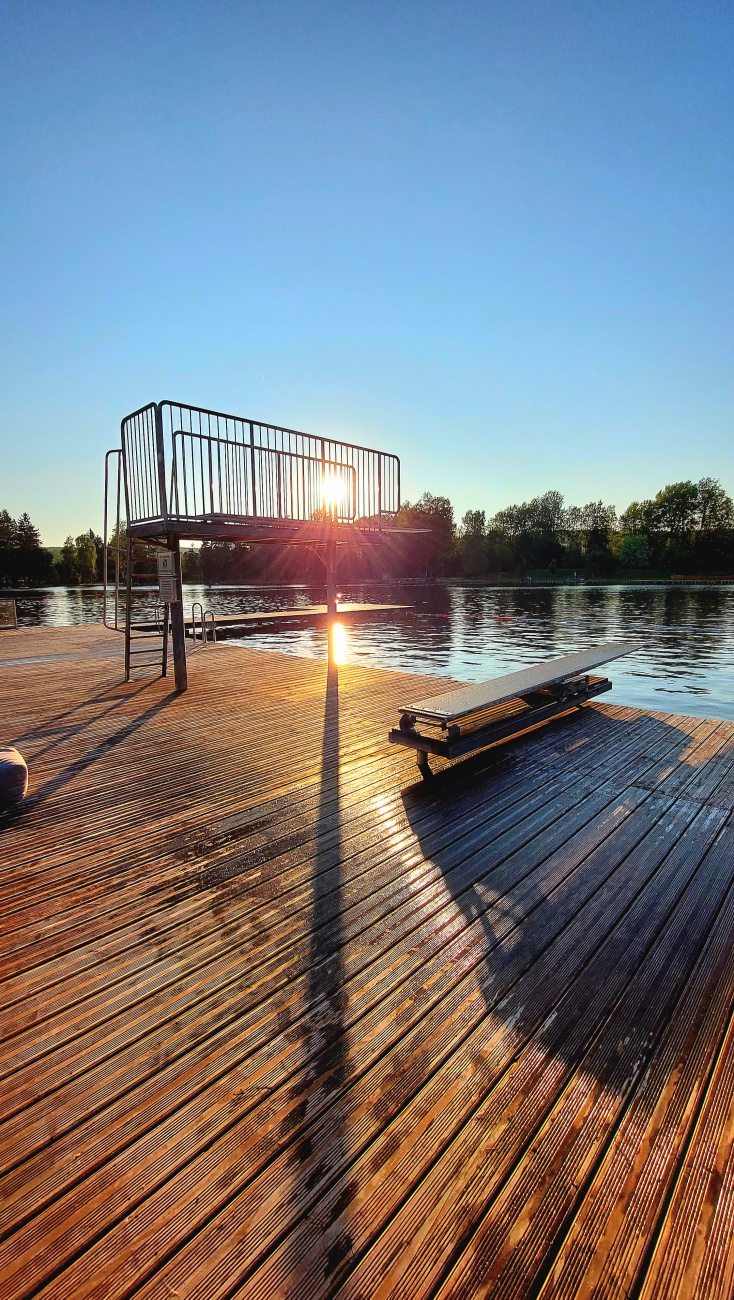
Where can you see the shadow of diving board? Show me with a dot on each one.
(467, 718)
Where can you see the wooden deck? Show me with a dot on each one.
(278, 1020)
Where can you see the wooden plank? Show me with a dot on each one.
(625, 1207)
(548, 1182)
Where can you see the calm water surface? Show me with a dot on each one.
(685, 665)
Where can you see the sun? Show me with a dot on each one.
(333, 492)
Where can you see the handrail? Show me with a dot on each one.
(263, 424)
(197, 605)
(208, 614)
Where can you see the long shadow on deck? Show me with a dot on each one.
(546, 867)
(52, 726)
(325, 1041)
(65, 775)
(582, 904)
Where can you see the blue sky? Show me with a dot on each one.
(495, 238)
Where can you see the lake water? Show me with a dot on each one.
(685, 664)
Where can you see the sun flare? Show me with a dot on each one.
(333, 492)
(338, 643)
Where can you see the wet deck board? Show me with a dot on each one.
(277, 1019)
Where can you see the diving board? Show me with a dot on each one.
(467, 718)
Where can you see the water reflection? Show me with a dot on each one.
(337, 644)
(686, 664)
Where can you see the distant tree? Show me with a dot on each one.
(633, 552)
(542, 516)
(474, 524)
(598, 521)
(434, 550)
(67, 564)
(534, 530)
(715, 507)
(637, 518)
(601, 563)
(7, 530)
(23, 558)
(676, 508)
(99, 553)
(223, 562)
(27, 536)
(500, 554)
(191, 565)
(86, 557)
(473, 542)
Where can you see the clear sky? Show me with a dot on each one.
(496, 238)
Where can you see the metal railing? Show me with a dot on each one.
(206, 623)
(186, 463)
(216, 478)
(197, 605)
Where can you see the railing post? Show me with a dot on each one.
(160, 451)
(379, 490)
(252, 471)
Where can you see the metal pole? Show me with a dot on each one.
(178, 629)
(164, 660)
(128, 605)
(330, 560)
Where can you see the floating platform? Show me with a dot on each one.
(315, 614)
(278, 1018)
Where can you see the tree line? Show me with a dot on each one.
(25, 561)
(685, 528)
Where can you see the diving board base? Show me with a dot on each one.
(514, 718)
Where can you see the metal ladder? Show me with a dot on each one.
(207, 623)
(144, 649)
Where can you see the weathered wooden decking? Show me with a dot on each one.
(277, 1020)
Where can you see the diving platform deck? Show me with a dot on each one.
(279, 1019)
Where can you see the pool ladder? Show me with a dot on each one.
(204, 615)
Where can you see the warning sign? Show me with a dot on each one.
(167, 590)
(166, 564)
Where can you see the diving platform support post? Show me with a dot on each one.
(178, 628)
(330, 562)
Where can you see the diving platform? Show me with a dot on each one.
(186, 473)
